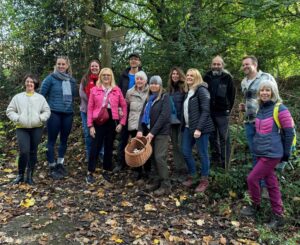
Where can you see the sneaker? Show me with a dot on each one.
(249, 211)
(54, 174)
(60, 168)
(90, 179)
(276, 221)
(202, 185)
(162, 190)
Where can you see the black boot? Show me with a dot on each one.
(19, 179)
(29, 179)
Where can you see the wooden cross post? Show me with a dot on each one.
(106, 37)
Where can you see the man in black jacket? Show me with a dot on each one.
(222, 92)
(126, 82)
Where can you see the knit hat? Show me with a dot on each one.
(156, 79)
(141, 74)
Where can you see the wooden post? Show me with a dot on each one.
(106, 37)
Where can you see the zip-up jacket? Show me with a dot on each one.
(268, 141)
(199, 110)
(135, 100)
(222, 92)
(160, 114)
(51, 89)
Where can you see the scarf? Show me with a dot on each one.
(146, 115)
(106, 92)
(92, 79)
(66, 86)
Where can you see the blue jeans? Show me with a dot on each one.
(58, 123)
(250, 132)
(87, 136)
(188, 142)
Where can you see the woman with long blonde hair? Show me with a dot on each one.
(197, 127)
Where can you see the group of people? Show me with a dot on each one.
(191, 111)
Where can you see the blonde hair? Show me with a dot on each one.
(275, 97)
(197, 78)
(66, 58)
(106, 69)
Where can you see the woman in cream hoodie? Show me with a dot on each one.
(29, 111)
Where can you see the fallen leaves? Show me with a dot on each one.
(27, 202)
(149, 208)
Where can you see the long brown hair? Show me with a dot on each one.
(84, 79)
(181, 82)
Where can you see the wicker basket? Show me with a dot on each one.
(137, 159)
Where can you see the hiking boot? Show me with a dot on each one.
(90, 179)
(54, 174)
(276, 221)
(191, 180)
(60, 168)
(250, 211)
(106, 176)
(152, 186)
(18, 179)
(162, 190)
(202, 185)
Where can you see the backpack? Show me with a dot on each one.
(276, 119)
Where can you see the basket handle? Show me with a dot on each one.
(137, 139)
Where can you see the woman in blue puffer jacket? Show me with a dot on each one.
(59, 88)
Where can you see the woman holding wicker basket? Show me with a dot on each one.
(155, 121)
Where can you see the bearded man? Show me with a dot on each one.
(222, 92)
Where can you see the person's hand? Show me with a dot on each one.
(92, 132)
(119, 128)
(242, 107)
(285, 158)
(139, 134)
(121, 114)
(197, 134)
(149, 137)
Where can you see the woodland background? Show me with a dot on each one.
(187, 33)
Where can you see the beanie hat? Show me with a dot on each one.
(156, 79)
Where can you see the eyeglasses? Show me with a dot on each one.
(106, 75)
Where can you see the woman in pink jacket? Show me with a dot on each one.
(107, 95)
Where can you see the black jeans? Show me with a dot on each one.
(219, 140)
(105, 134)
(28, 141)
